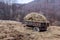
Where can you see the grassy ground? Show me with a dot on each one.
(17, 31)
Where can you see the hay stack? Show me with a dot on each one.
(34, 17)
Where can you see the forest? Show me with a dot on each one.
(15, 11)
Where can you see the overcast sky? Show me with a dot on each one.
(16, 1)
(24, 1)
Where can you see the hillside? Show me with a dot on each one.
(50, 9)
(13, 30)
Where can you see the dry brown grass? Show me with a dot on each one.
(12, 30)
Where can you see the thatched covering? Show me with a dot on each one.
(34, 17)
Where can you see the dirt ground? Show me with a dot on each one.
(12, 30)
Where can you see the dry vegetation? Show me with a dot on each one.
(35, 17)
(12, 30)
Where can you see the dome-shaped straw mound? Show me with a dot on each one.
(37, 17)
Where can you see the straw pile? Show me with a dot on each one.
(34, 17)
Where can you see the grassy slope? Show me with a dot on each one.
(16, 31)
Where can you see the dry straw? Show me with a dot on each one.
(34, 17)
